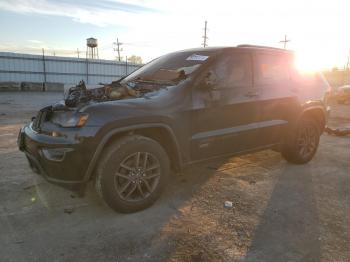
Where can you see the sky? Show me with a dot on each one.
(319, 30)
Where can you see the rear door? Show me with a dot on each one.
(278, 101)
(224, 118)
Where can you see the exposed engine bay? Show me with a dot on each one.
(118, 90)
(80, 94)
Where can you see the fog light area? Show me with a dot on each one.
(55, 154)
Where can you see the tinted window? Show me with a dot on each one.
(271, 68)
(233, 71)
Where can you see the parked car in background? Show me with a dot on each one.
(342, 94)
(178, 110)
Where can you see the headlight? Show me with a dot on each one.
(69, 119)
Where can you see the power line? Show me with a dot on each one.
(205, 38)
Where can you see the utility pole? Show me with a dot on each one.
(205, 38)
(44, 70)
(348, 63)
(126, 65)
(285, 41)
(78, 52)
(118, 49)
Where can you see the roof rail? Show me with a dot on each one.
(262, 47)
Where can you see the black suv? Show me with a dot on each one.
(177, 110)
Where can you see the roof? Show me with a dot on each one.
(261, 47)
(244, 46)
(201, 49)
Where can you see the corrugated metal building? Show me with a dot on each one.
(66, 70)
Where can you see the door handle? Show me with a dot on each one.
(252, 94)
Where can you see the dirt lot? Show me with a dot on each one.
(281, 212)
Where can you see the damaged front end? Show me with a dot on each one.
(55, 145)
(160, 73)
(80, 94)
(51, 118)
(69, 114)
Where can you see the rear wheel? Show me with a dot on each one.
(302, 143)
(132, 173)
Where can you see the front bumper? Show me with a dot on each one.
(68, 170)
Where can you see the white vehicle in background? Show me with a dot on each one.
(342, 94)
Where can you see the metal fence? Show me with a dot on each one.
(66, 70)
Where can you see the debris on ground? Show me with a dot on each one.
(338, 131)
(69, 210)
(228, 204)
(30, 186)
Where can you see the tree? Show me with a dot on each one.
(135, 59)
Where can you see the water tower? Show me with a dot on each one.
(91, 48)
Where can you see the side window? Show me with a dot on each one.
(233, 71)
(271, 69)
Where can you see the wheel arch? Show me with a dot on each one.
(161, 133)
(317, 113)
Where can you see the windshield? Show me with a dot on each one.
(171, 67)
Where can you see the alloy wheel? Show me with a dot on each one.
(137, 176)
(307, 140)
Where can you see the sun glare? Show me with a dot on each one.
(308, 63)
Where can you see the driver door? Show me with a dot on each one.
(225, 116)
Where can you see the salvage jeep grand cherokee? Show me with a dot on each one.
(177, 110)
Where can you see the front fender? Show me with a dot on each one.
(119, 130)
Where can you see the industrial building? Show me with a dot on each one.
(21, 69)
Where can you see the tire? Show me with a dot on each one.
(132, 173)
(302, 143)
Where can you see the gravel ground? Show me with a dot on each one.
(281, 212)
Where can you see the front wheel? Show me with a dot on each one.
(302, 143)
(132, 173)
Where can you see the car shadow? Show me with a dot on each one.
(94, 231)
(289, 227)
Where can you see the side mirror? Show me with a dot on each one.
(209, 84)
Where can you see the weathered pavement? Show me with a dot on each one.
(281, 212)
